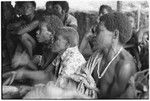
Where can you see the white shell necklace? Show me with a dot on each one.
(100, 76)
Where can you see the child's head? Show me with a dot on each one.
(47, 27)
(29, 7)
(65, 37)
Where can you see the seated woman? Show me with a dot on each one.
(66, 64)
(112, 66)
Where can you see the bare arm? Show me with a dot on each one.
(84, 41)
(83, 44)
(40, 76)
(27, 28)
(123, 76)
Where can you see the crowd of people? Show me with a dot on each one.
(45, 54)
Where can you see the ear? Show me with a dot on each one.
(116, 34)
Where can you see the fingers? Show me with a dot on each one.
(12, 79)
(7, 81)
(11, 76)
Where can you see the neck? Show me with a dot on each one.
(111, 52)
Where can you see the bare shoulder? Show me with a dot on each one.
(126, 63)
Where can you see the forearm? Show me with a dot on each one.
(35, 75)
(28, 28)
(83, 44)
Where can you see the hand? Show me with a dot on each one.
(91, 32)
(12, 76)
(37, 59)
(20, 59)
(88, 34)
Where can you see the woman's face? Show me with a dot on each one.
(60, 44)
(43, 35)
(103, 36)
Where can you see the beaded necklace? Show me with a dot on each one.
(100, 76)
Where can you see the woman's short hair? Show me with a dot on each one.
(118, 21)
(70, 34)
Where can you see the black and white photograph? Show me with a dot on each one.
(74, 49)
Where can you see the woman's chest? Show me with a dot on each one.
(104, 75)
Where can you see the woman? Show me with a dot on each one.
(63, 68)
(90, 36)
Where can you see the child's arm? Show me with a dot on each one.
(29, 27)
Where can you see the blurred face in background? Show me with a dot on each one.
(58, 11)
(104, 11)
(18, 10)
(28, 8)
(132, 22)
(49, 7)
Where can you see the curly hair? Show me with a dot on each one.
(118, 21)
(53, 22)
(70, 34)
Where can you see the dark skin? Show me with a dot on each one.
(42, 76)
(61, 14)
(115, 80)
(27, 39)
(85, 40)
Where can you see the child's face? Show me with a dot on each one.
(132, 22)
(58, 10)
(43, 35)
(28, 8)
(60, 44)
